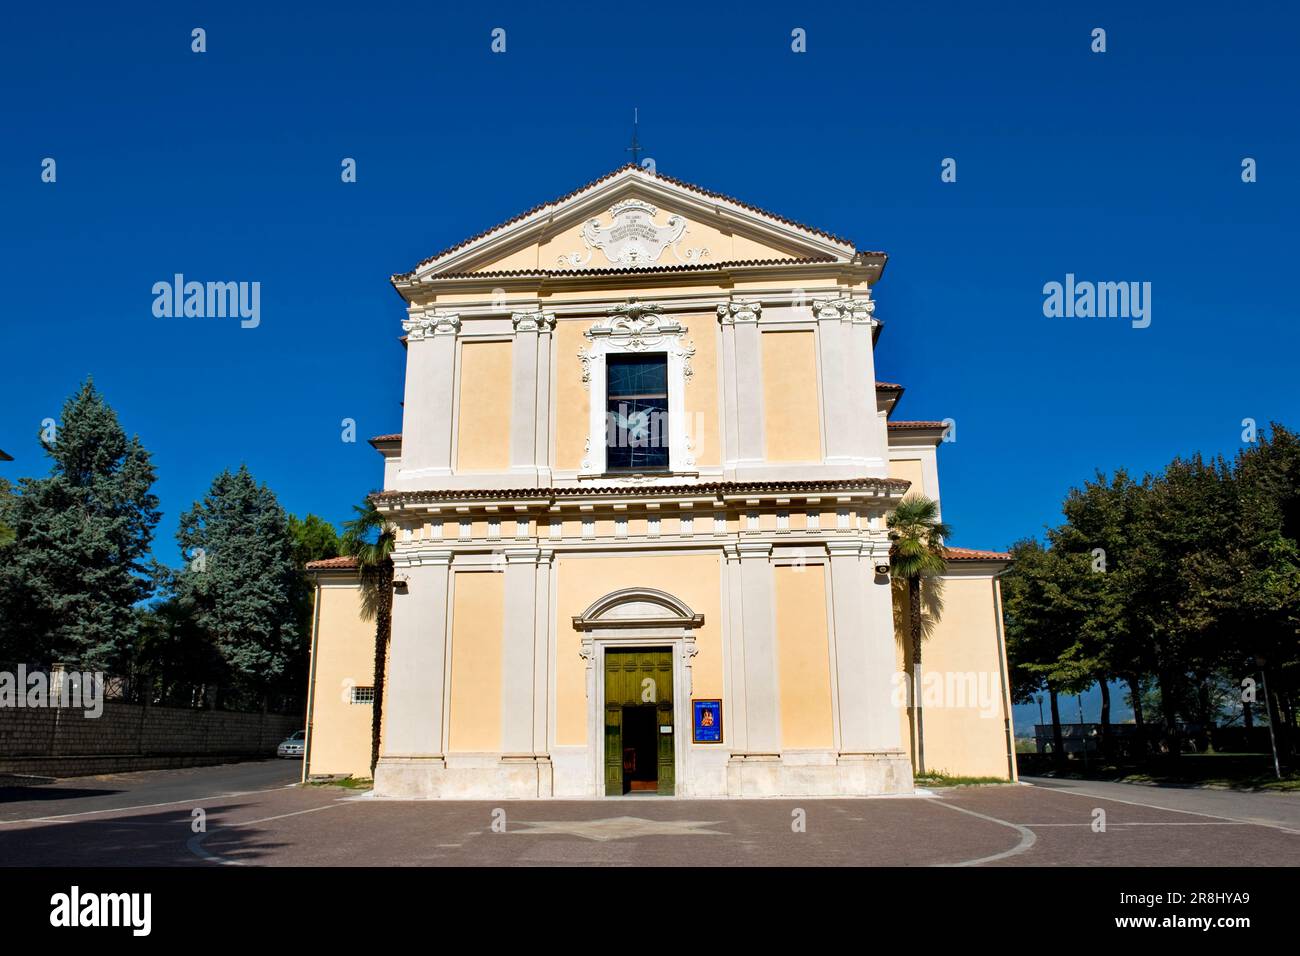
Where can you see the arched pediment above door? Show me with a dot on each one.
(637, 608)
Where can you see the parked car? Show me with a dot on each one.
(292, 746)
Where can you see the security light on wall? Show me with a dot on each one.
(400, 581)
(882, 569)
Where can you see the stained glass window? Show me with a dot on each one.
(636, 412)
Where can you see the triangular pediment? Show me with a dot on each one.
(633, 219)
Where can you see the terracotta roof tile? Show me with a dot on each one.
(580, 491)
(699, 190)
(396, 436)
(888, 387)
(973, 554)
(638, 270)
(342, 563)
(917, 425)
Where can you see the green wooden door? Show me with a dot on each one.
(613, 750)
(640, 678)
(663, 665)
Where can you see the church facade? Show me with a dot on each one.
(640, 497)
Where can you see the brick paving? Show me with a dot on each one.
(112, 822)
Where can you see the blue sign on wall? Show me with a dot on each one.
(708, 721)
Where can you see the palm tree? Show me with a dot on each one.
(917, 552)
(369, 538)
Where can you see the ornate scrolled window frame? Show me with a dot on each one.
(637, 327)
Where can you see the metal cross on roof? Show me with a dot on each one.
(636, 148)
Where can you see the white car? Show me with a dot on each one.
(292, 746)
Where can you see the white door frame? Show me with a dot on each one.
(681, 642)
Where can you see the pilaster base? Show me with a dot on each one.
(819, 774)
(465, 777)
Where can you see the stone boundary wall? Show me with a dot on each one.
(63, 742)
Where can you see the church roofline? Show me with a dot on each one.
(641, 270)
(628, 170)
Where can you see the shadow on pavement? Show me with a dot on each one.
(159, 838)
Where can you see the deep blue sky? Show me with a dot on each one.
(225, 166)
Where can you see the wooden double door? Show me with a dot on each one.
(639, 730)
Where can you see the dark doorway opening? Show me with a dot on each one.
(640, 749)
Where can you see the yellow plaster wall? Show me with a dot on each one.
(345, 652)
(695, 579)
(483, 431)
(803, 658)
(911, 470)
(791, 411)
(702, 400)
(572, 412)
(477, 628)
(965, 740)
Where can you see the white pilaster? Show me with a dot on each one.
(735, 722)
(530, 393)
(863, 630)
(746, 367)
(758, 630)
(518, 652)
(427, 424)
(543, 639)
(413, 698)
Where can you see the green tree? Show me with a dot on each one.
(369, 538)
(7, 535)
(241, 581)
(314, 538)
(1262, 611)
(1098, 525)
(1044, 599)
(917, 559)
(76, 566)
(175, 661)
(1181, 569)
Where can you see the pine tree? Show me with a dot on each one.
(241, 580)
(76, 566)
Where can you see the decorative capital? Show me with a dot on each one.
(532, 321)
(423, 325)
(522, 555)
(732, 312)
(856, 309)
(750, 550)
(844, 549)
(415, 555)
